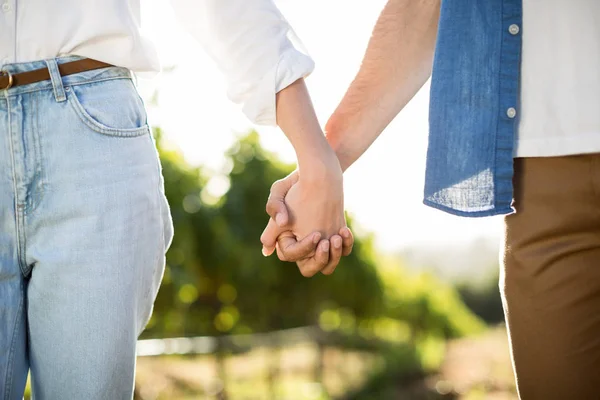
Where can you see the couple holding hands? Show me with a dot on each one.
(84, 222)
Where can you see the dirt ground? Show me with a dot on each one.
(474, 368)
(477, 368)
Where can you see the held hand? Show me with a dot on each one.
(314, 198)
(311, 254)
(312, 204)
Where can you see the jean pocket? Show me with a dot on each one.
(112, 107)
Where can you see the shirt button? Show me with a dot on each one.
(511, 112)
(513, 29)
(5, 7)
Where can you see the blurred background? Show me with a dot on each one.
(413, 313)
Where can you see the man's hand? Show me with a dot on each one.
(391, 73)
(305, 210)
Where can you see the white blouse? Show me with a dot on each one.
(249, 39)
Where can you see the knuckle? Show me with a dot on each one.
(307, 272)
(292, 257)
(336, 253)
(289, 256)
(276, 185)
(323, 260)
(280, 255)
(270, 207)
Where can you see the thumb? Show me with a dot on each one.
(276, 207)
(277, 210)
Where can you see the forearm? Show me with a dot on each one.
(297, 119)
(397, 63)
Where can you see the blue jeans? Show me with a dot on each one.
(84, 227)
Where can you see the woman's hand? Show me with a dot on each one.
(314, 197)
(307, 222)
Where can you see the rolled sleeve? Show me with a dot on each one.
(254, 47)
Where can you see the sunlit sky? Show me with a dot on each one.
(383, 189)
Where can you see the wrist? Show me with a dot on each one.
(297, 119)
(320, 163)
(336, 136)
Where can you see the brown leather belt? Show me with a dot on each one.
(8, 80)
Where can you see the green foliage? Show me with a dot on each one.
(217, 280)
(483, 299)
(400, 366)
(428, 305)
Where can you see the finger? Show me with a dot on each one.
(284, 240)
(267, 251)
(294, 250)
(287, 241)
(279, 253)
(269, 237)
(311, 266)
(347, 240)
(277, 210)
(275, 204)
(335, 253)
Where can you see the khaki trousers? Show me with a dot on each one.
(550, 281)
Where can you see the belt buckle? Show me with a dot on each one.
(10, 79)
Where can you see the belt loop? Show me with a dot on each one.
(57, 84)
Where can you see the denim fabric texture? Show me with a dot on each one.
(84, 227)
(474, 107)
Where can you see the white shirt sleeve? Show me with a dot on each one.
(252, 44)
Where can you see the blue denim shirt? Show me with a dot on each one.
(473, 107)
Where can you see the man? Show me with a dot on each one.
(514, 129)
(84, 222)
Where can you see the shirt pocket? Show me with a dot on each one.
(112, 107)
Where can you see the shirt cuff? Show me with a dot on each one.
(292, 65)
